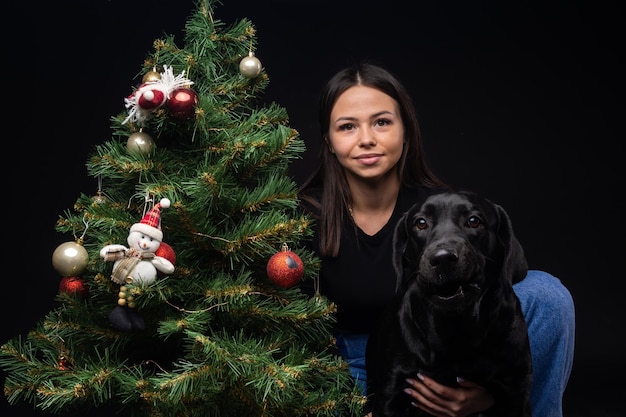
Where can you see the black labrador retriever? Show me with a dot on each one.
(455, 315)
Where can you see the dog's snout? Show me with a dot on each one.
(444, 257)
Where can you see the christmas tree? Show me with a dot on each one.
(179, 285)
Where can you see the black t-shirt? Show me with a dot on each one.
(361, 279)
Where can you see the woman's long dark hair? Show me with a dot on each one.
(329, 177)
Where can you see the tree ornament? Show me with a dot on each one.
(151, 77)
(64, 363)
(153, 94)
(140, 142)
(250, 66)
(138, 264)
(124, 298)
(99, 198)
(70, 258)
(63, 358)
(126, 319)
(166, 251)
(73, 286)
(285, 268)
(182, 103)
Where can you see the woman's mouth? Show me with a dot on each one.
(369, 159)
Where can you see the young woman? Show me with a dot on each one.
(370, 171)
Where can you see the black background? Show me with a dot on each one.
(519, 100)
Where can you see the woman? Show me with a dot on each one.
(370, 171)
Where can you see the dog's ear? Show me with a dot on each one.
(515, 264)
(400, 239)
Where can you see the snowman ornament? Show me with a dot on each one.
(138, 264)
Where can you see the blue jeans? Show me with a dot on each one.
(550, 317)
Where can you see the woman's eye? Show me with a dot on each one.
(474, 222)
(382, 122)
(347, 126)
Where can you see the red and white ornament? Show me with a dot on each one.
(153, 94)
(285, 268)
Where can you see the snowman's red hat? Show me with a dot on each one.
(150, 225)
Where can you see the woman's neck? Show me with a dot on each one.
(373, 202)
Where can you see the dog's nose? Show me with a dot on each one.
(443, 257)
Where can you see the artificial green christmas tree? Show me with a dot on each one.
(179, 283)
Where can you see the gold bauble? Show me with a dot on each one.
(99, 198)
(250, 66)
(140, 142)
(151, 76)
(70, 259)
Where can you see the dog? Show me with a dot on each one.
(455, 313)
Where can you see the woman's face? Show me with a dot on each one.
(366, 133)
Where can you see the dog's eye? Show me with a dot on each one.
(421, 223)
(474, 222)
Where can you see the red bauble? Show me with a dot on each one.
(165, 251)
(285, 268)
(182, 103)
(73, 286)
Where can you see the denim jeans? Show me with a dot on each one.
(550, 317)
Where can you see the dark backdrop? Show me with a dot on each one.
(519, 100)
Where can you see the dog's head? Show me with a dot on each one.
(456, 245)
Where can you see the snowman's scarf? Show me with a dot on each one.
(122, 271)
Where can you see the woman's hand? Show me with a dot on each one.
(444, 401)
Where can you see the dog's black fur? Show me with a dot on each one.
(456, 314)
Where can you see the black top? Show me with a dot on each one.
(361, 280)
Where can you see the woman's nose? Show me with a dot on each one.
(367, 138)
